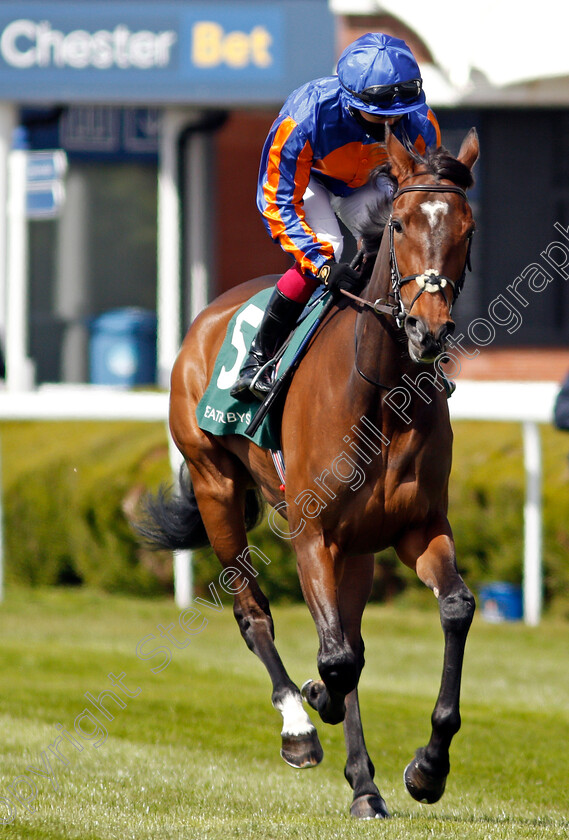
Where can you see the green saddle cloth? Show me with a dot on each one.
(217, 411)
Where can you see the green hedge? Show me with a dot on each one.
(487, 494)
(67, 487)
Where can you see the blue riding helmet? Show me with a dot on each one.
(379, 75)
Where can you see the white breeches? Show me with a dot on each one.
(323, 209)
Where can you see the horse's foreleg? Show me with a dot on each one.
(359, 771)
(434, 560)
(336, 596)
(340, 658)
(221, 507)
(353, 595)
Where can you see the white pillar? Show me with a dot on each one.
(7, 125)
(19, 367)
(183, 578)
(183, 560)
(533, 583)
(169, 292)
(169, 281)
(1, 529)
(72, 293)
(198, 227)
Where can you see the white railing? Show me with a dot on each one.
(527, 403)
(83, 402)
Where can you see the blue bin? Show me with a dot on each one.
(502, 602)
(122, 348)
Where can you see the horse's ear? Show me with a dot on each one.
(402, 163)
(470, 149)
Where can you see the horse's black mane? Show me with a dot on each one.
(378, 214)
(436, 161)
(440, 163)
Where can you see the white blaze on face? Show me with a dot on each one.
(434, 211)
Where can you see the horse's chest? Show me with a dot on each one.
(414, 486)
(407, 500)
(388, 511)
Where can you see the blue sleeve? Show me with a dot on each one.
(283, 178)
(561, 408)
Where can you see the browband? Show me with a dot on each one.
(431, 188)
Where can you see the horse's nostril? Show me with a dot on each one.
(411, 323)
(444, 332)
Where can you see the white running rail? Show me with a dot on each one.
(527, 403)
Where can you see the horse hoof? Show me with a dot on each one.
(369, 807)
(302, 751)
(311, 691)
(316, 695)
(424, 784)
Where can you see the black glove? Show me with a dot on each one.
(337, 276)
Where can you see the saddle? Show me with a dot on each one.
(218, 412)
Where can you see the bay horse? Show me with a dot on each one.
(397, 495)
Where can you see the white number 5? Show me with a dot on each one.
(251, 315)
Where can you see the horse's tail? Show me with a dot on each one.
(173, 521)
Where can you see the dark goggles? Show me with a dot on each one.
(387, 94)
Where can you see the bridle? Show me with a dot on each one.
(429, 280)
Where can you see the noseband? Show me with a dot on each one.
(429, 280)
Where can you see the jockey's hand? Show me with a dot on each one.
(338, 276)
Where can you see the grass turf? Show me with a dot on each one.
(195, 753)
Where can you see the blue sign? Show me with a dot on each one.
(49, 165)
(45, 191)
(95, 132)
(217, 53)
(44, 201)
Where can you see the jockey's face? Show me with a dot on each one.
(378, 118)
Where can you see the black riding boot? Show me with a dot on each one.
(278, 322)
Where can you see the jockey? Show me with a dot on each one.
(315, 167)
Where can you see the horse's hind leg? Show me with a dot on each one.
(217, 482)
(300, 743)
(432, 555)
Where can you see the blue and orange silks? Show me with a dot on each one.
(315, 135)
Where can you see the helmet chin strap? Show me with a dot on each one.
(375, 130)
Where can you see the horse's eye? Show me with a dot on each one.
(397, 226)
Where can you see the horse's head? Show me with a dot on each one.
(430, 229)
